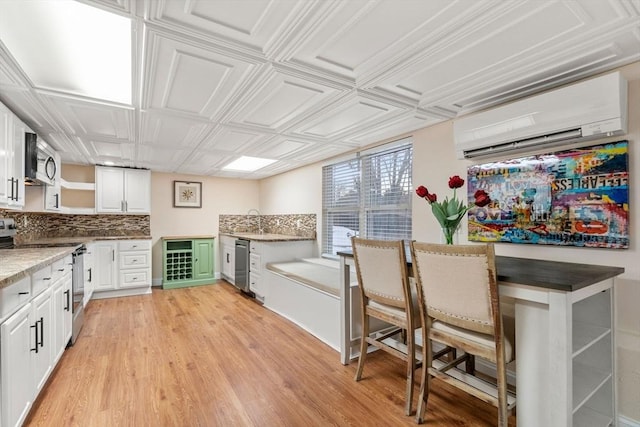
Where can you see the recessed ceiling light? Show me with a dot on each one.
(109, 163)
(248, 164)
(70, 47)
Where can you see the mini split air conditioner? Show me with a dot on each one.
(593, 109)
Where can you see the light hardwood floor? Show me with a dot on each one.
(208, 356)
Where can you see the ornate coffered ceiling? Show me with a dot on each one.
(302, 81)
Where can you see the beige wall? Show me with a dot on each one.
(435, 161)
(219, 196)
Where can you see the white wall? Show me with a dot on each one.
(435, 161)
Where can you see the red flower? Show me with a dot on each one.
(482, 198)
(456, 182)
(424, 193)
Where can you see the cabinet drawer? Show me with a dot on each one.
(134, 259)
(14, 295)
(135, 278)
(255, 284)
(40, 280)
(134, 245)
(254, 263)
(255, 247)
(60, 267)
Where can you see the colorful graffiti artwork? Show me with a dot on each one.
(577, 197)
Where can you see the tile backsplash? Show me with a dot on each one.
(35, 225)
(303, 225)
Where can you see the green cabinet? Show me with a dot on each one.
(187, 262)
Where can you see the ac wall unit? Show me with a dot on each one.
(592, 109)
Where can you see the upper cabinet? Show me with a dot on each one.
(12, 132)
(121, 190)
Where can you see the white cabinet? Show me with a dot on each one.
(228, 261)
(120, 190)
(135, 263)
(12, 150)
(89, 271)
(35, 327)
(17, 339)
(262, 253)
(121, 267)
(53, 192)
(43, 354)
(62, 306)
(105, 268)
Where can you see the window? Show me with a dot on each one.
(368, 196)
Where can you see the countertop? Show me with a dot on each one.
(562, 276)
(31, 256)
(199, 236)
(74, 241)
(267, 237)
(19, 263)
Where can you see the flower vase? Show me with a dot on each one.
(449, 235)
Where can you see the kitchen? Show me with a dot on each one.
(298, 192)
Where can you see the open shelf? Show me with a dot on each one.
(586, 417)
(86, 186)
(585, 335)
(586, 382)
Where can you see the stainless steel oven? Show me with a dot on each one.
(77, 290)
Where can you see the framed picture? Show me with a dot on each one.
(187, 194)
(577, 197)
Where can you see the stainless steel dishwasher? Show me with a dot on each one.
(242, 265)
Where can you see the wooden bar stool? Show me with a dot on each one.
(386, 294)
(460, 308)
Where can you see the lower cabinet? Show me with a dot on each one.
(121, 268)
(187, 262)
(105, 273)
(228, 259)
(33, 338)
(16, 343)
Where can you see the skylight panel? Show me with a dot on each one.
(68, 46)
(248, 164)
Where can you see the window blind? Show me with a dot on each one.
(369, 196)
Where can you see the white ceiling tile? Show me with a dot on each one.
(307, 80)
(189, 79)
(171, 131)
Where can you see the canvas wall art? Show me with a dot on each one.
(577, 197)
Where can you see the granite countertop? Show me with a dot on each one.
(267, 237)
(74, 241)
(29, 257)
(18, 263)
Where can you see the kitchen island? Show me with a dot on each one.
(565, 345)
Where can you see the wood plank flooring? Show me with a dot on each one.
(209, 356)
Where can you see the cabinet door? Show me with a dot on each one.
(17, 162)
(16, 342)
(89, 272)
(137, 191)
(109, 190)
(52, 197)
(5, 173)
(203, 258)
(104, 259)
(62, 316)
(229, 263)
(43, 359)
